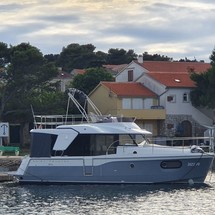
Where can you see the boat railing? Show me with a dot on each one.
(205, 143)
(92, 115)
(123, 143)
(52, 121)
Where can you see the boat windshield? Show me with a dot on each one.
(132, 139)
(141, 140)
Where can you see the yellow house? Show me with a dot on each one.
(129, 99)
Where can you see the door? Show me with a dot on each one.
(186, 128)
(187, 131)
(88, 166)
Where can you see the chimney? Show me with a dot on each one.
(140, 59)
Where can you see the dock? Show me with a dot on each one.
(8, 163)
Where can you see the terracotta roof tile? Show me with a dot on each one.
(115, 68)
(167, 66)
(129, 89)
(80, 71)
(173, 79)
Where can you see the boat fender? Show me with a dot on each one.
(196, 149)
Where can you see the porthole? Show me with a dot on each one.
(171, 164)
(164, 164)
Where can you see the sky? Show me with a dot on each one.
(176, 29)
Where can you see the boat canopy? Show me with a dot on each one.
(106, 128)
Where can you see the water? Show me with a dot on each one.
(108, 199)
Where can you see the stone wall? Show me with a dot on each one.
(170, 127)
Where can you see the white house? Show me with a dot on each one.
(172, 84)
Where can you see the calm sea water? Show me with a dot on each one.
(108, 199)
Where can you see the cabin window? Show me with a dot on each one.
(99, 144)
(79, 147)
(126, 139)
(102, 144)
(130, 75)
(90, 145)
(131, 139)
(42, 144)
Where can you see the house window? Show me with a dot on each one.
(171, 98)
(137, 103)
(132, 103)
(148, 103)
(126, 103)
(185, 97)
(130, 75)
(170, 126)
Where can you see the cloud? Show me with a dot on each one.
(9, 7)
(174, 28)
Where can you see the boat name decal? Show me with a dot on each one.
(193, 164)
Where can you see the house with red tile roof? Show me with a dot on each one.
(129, 99)
(175, 66)
(135, 69)
(114, 69)
(171, 82)
(75, 72)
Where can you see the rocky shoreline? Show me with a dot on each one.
(8, 163)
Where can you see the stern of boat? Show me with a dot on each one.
(22, 168)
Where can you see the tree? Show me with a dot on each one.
(76, 56)
(120, 56)
(90, 79)
(52, 58)
(212, 58)
(26, 72)
(4, 55)
(199, 94)
(155, 57)
(49, 102)
(203, 94)
(188, 60)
